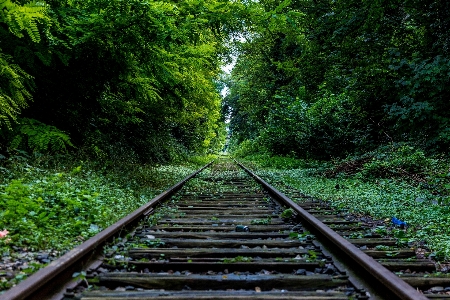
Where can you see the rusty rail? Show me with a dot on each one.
(383, 275)
(40, 283)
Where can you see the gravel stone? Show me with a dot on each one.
(329, 270)
(42, 256)
(300, 272)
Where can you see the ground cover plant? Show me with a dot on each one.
(379, 187)
(50, 205)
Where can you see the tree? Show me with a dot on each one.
(131, 76)
(331, 78)
(15, 83)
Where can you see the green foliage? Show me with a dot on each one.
(13, 91)
(15, 83)
(59, 207)
(265, 221)
(165, 211)
(312, 255)
(155, 243)
(304, 236)
(79, 275)
(422, 204)
(287, 213)
(381, 230)
(159, 100)
(201, 160)
(237, 259)
(38, 137)
(278, 162)
(384, 248)
(21, 18)
(320, 79)
(247, 147)
(401, 160)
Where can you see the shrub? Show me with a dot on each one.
(398, 160)
(248, 147)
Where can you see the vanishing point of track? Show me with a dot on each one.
(224, 233)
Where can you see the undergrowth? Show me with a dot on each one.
(397, 181)
(58, 202)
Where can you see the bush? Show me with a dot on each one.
(248, 147)
(398, 160)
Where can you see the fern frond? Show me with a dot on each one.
(33, 135)
(45, 57)
(13, 94)
(24, 18)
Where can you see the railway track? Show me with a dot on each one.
(219, 234)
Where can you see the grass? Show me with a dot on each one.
(425, 210)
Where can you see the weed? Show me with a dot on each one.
(381, 230)
(155, 243)
(312, 255)
(287, 213)
(306, 235)
(237, 259)
(265, 221)
(384, 248)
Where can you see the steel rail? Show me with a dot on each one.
(41, 280)
(388, 279)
